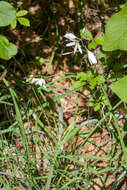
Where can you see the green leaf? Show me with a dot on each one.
(121, 6)
(101, 55)
(100, 79)
(82, 76)
(24, 21)
(92, 45)
(7, 13)
(100, 40)
(39, 60)
(120, 88)
(21, 13)
(86, 34)
(7, 49)
(78, 84)
(97, 106)
(13, 24)
(93, 83)
(91, 102)
(116, 31)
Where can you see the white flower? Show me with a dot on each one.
(73, 41)
(70, 36)
(38, 81)
(91, 57)
(34, 116)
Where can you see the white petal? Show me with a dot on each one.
(41, 82)
(67, 53)
(33, 80)
(91, 57)
(38, 81)
(70, 44)
(34, 115)
(76, 47)
(70, 36)
(79, 48)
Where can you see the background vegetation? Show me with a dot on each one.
(63, 119)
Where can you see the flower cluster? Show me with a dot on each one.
(74, 41)
(38, 81)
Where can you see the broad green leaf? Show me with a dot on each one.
(116, 31)
(24, 21)
(21, 13)
(120, 88)
(7, 13)
(7, 49)
(121, 6)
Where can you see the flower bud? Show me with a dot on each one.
(91, 57)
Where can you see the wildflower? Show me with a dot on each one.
(38, 81)
(34, 116)
(73, 42)
(70, 36)
(91, 57)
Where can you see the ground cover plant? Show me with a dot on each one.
(63, 121)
